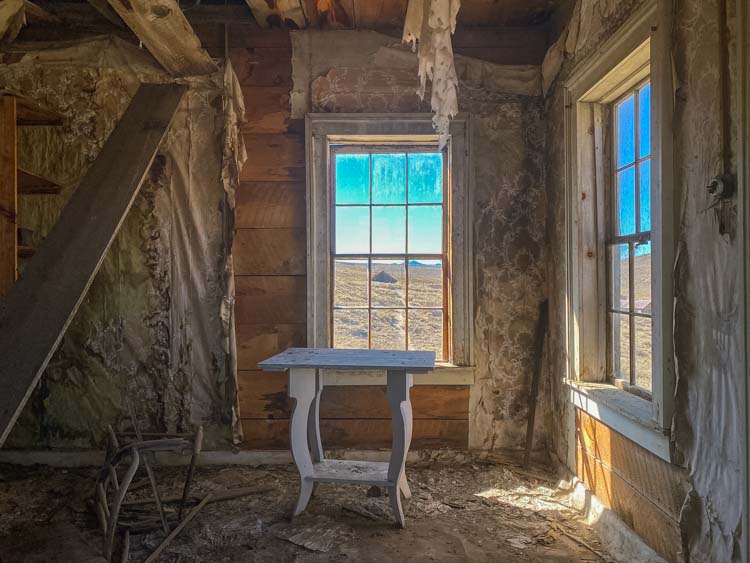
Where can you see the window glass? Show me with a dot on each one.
(629, 248)
(389, 257)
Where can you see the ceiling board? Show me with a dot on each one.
(379, 13)
(505, 12)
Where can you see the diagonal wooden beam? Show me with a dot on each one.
(108, 12)
(39, 307)
(163, 29)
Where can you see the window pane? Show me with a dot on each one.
(426, 330)
(425, 283)
(388, 329)
(350, 328)
(425, 178)
(352, 230)
(388, 283)
(350, 283)
(352, 178)
(389, 178)
(644, 189)
(643, 352)
(426, 229)
(621, 346)
(626, 201)
(620, 277)
(644, 121)
(625, 132)
(388, 230)
(642, 278)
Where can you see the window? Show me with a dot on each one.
(629, 241)
(389, 254)
(389, 237)
(620, 245)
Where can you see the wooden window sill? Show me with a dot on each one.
(622, 411)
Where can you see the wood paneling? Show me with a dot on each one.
(274, 158)
(270, 299)
(263, 66)
(264, 395)
(644, 490)
(270, 205)
(267, 109)
(261, 252)
(665, 484)
(256, 343)
(8, 194)
(359, 434)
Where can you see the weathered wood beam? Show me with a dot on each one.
(8, 195)
(12, 19)
(40, 306)
(163, 29)
(107, 12)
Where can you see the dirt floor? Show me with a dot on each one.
(474, 511)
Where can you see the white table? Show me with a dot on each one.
(305, 386)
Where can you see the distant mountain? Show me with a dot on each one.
(422, 264)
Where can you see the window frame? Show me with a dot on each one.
(377, 147)
(324, 131)
(597, 80)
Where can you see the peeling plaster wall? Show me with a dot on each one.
(149, 328)
(357, 71)
(707, 429)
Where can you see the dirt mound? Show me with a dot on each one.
(384, 277)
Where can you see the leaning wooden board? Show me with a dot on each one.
(39, 307)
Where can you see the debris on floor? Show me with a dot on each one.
(473, 511)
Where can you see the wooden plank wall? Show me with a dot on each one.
(270, 265)
(646, 492)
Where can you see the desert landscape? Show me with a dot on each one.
(621, 337)
(385, 282)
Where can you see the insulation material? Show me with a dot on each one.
(150, 327)
(430, 23)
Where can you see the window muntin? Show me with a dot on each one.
(389, 251)
(630, 336)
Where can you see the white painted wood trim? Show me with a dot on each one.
(617, 414)
(652, 24)
(321, 130)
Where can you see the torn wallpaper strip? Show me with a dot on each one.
(430, 23)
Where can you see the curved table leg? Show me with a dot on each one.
(302, 383)
(313, 422)
(399, 383)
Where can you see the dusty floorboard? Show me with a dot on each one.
(472, 512)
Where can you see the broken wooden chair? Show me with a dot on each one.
(123, 459)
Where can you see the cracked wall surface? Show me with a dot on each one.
(149, 328)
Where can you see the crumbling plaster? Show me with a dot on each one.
(353, 72)
(149, 328)
(707, 430)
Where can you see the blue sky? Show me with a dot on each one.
(626, 151)
(396, 178)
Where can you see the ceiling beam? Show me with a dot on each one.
(105, 10)
(162, 28)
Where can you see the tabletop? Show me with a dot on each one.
(412, 361)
